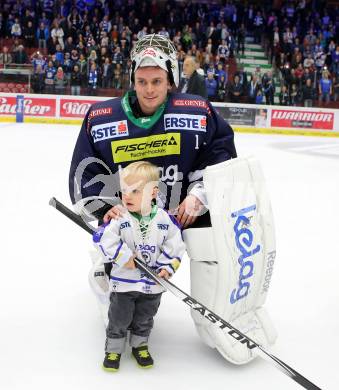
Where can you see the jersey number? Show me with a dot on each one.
(196, 142)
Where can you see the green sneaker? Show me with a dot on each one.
(111, 362)
(143, 357)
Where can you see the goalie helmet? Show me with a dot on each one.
(155, 50)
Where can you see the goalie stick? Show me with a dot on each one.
(203, 310)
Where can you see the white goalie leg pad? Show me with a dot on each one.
(234, 280)
(204, 272)
(99, 282)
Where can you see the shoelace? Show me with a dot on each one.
(144, 353)
(113, 356)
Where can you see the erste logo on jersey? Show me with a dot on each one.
(109, 130)
(185, 122)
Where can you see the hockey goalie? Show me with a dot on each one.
(231, 246)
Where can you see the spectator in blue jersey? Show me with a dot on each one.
(211, 86)
(258, 23)
(59, 56)
(38, 59)
(42, 35)
(223, 51)
(259, 99)
(50, 72)
(335, 60)
(221, 72)
(325, 87)
(92, 80)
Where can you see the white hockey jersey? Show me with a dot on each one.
(155, 239)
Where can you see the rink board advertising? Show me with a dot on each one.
(243, 117)
(302, 119)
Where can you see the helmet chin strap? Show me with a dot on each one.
(132, 71)
(170, 73)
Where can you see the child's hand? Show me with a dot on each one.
(130, 264)
(164, 274)
(114, 213)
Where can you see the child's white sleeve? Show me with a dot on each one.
(172, 250)
(108, 240)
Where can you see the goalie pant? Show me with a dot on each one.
(161, 247)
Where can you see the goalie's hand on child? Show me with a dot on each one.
(189, 210)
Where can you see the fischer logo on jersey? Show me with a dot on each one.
(244, 241)
(146, 147)
(185, 122)
(109, 130)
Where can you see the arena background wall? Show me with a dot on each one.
(243, 117)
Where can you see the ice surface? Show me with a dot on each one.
(51, 334)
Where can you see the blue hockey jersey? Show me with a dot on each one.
(182, 137)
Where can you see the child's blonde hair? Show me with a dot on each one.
(144, 169)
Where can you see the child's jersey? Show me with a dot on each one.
(155, 239)
(182, 137)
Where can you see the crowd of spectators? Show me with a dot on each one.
(303, 44)
(84, 44)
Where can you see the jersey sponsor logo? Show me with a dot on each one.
(185, 122)
(109, 130)
(215, 319)
(269, 271)
(163, 226)
(100, 111)
(146, 247)
(146, 147)
(191, 103)
(244, 240)
(125, 225)
(170, 175)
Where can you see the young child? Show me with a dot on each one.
(146, 232)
